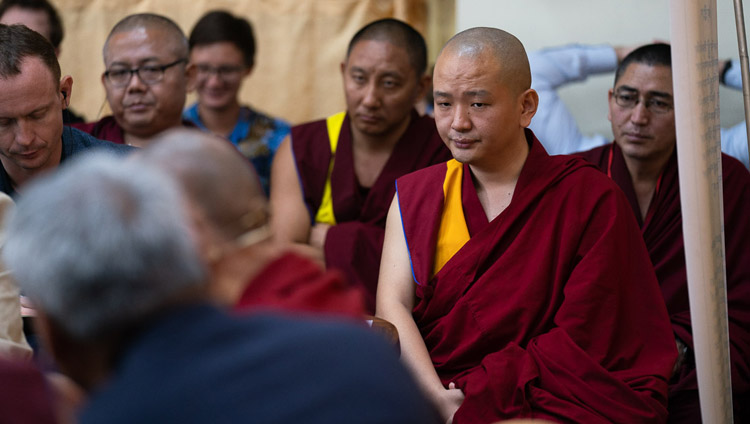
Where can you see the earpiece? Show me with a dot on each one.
(65, 94)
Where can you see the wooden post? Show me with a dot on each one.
(696, 92)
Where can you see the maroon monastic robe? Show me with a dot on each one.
(108, 129)
(25, 396)
(552, 310)
(294, 284)
(355, 243)
(662, 231)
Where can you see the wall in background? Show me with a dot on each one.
(300, 44)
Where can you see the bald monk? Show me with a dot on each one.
(248, 270)
(147, 78)
(518, 281)
(642, 160)
(332, 180)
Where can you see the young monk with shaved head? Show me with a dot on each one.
(518, 281)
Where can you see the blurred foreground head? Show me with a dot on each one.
(101, 247)
(224, 197)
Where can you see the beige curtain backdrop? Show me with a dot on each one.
(300, 44)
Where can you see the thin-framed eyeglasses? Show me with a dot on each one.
(629, 99)
(225, 72)
(149, 74)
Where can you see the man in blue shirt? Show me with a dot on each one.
(32, 97)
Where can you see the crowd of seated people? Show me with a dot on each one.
(212, 263)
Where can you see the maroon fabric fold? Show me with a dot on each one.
(24, 394)
(108, 129)
(552, 309)
(662, 232)
(354, 245)
(294, 284)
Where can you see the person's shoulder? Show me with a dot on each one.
(362, 370)
(575, 172)
(733, 170)
(275, 122)
(75, 140)
(594, 155)
(314, 124)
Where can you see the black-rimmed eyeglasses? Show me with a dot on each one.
(149, 74)
(629, 100)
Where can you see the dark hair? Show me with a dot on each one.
(399, 33)
(18, 42)
(219, 26)
(658, 54)
(55, 24)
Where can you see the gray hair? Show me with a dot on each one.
(102, 245)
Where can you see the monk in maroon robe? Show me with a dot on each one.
(643, 162)
(332, 180)
(519, 282)
(248, 271)
(294, 284)
(146, 80)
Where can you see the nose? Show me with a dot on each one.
(461, 121)
(136, 83)
(24, 133)
(372, 96)
(640, 113)
(213, 79)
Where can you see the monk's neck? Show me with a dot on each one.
(496, 181)
(239, 268)
(645, 176)
(220, 121)
(371, 152)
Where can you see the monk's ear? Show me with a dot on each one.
(424, 83)
(610, 100)
(528, 101)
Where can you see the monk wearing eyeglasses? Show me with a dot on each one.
(642, 160)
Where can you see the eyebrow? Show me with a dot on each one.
(650, 93)
(477, 93)
(140, 62)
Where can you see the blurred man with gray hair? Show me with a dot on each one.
(121, 300)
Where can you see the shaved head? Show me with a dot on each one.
(151, 21)
(399, 34)
(214, 176)
(506, 50)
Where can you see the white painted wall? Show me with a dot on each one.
(545, 23)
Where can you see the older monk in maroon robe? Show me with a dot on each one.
(248, 271)
(332, 180)
(518, 281)
(643, 162)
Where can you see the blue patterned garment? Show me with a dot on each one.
(256, 135)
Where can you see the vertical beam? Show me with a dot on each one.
(696, 92)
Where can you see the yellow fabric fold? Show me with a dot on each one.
(325, 213)
(453, 232)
